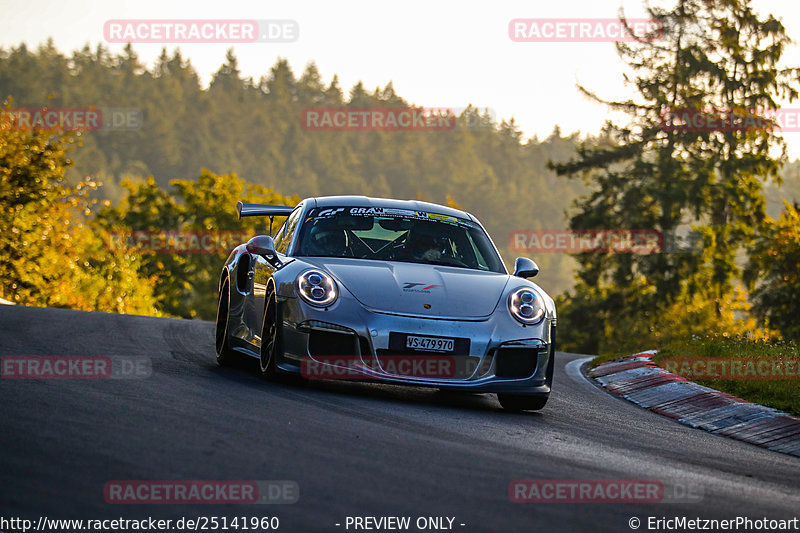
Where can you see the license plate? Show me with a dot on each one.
(430, 344)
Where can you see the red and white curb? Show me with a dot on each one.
(638, 379)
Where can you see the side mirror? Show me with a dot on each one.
(264, 246)
(525, 268)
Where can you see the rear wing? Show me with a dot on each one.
(263, 210)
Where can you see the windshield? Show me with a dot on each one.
(397, 235)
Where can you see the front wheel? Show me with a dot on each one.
(270, 337)
(519, 402)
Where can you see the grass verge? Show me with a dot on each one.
(766, 373)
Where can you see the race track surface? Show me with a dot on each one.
(354, 449)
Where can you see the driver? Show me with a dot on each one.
(422, 246)
(326, 242)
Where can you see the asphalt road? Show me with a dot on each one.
(354, 449)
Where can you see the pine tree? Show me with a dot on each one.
(651, 174)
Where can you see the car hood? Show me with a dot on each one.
(416, 289)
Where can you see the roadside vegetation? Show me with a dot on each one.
(758, 384)
(707, 185)
(702, 184)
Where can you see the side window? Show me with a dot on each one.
(279, 235)
(285, 237)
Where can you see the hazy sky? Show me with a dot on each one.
(437, 53)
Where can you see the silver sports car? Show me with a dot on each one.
(401, 292)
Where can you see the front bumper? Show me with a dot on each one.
(353, 343)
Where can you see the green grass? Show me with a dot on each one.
(780, 394)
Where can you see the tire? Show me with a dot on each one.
(225, 354)
(518, 403)
(271, 346)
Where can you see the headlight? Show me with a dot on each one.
(526, 305)
(317, 288)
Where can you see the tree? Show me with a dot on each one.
(773, 273)
(187, 278)
(712, 58)
(52, 253)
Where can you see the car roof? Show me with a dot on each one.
(364, 201)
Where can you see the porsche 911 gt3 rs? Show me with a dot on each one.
(395, 291)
